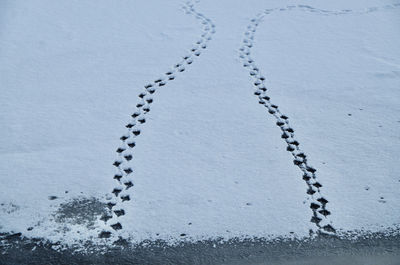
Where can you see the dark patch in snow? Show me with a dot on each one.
(81, 211)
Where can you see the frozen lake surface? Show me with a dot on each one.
(377, 249)
(192, 122)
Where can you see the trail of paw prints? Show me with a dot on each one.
(125, 152)
(318, 203)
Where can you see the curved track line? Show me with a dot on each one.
(318, 203)
(124, 171)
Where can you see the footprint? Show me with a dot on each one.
(128, 157)
(128, 171)
(119, 212)
(116, 191)
(117, 163)
(125, 198)
(128, 184)
(120, 150)
(118, 177)
(139, 118)
(116, 226)
(105, 234)
(105, 217)
(136, 132)
(131, 144)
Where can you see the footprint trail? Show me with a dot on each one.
(318, 203)
(124, 175)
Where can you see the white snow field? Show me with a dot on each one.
(202, 156)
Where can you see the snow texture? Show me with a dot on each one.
(179, 120)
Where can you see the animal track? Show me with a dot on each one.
(125, 150)
(318, 202)
(282, 122)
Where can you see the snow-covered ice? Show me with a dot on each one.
(205, 159)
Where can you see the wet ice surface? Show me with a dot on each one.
(357, 247)
(368, 250)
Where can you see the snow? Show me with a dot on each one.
(346, 115)
(209, 161)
